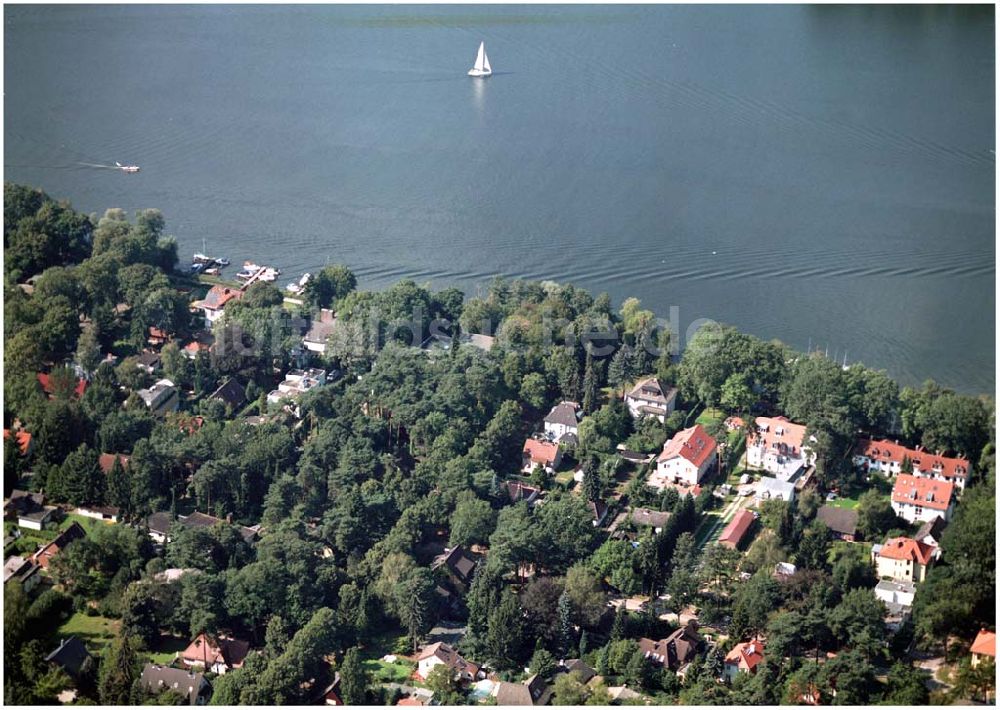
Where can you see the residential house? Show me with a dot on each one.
(931, 531)
(28, 508)
(107, 461)
(783, 571)
(43, 557)
(676, 650)
(646, 517)
(533, 691)
(651, 398)
(898, 593)
(72, 656)
(518, 492)
(458, 565)
(161, 398)
(540, 453)
(984, 647)
(779, 447)
(736, 531)
(201, 342)
(623, 694)
(562, 420)
(296, 383)
(217, 654)
(922, 499)
(887, 457)
(47, 386)
(231, 393)
(774, 489)
(107, 513)
(743, 658)
(685, 459)
(841, 522)
(902, 558)
(214, 303)
(159, 679)
(25, 443)
(479, 341)
(148, 362)
(441, 653)
(157, 336)
(319, 331)
(576, 665)
(158, 525)
(18, 569)
(598, 511)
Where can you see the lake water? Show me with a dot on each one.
(821, 175)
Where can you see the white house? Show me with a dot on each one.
(774, 489)
(161, 398)
(540, 453)
(651, 398)
(563, 419)
(915, 498)
(887, 458)
(779, 446)
(297, 382)
(215, 301)
(442, 654)
(901, 593)
(743, 658)
(685, 459)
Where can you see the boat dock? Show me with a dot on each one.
(257, 276)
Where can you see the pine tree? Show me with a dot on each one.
(593, 487)
(619, 629)
(505, 633)
(642, 353)
(714, 662)
(82, 480)
(119, 671)
(584, 643)
(353, 684)
(11, 464)
(669, 500)
(591, 385)
(621, 371)
(565, 611)
(119, 487)
(786, 528)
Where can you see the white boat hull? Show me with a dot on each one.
(479, 74)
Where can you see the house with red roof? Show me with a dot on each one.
(540, 453)
(107, 461)
(45, 380)
(737, 530)
(214, 303)
(442, 654)
(44, 556)
(217, 654)
(24, 441)
(984, 647)
(903, 559)
(685, 459)
(915, 498)
(779, 446)
(744, 658)
(887, 458)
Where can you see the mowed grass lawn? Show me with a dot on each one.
(848, 503)
(165, 649)
(710, 416)
(96, 631)
(384, 672)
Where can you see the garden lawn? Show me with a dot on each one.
(88, 524)
(710, 416)
(165, 648)
(848, 503)
(384, 672)
(95, 631)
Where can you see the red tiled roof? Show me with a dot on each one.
(885, 451)
(693, 444)
(205, 649)
(541, 452)
(903, 548)
(107, 461)
(925, 492)
(43, 379)
(23, 440)
(737, 528)
(985, 643)
(452, 658)
(409, 702)
(218, 296)
(747, 655)
(790, 439)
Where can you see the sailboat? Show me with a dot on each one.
(482, 66)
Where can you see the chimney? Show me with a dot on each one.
(229, 517)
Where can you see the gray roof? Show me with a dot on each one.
(650, 518)
(159, 523)
(563, 413)
(576, 665)
(932, 529)
(840, 520)
(18, 568)
(231, 393)
(71, 655)
(888, 585)
(653, 390)
(774, 488)
(159, 679)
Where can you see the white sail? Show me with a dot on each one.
(480, 57)
(486, 63)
